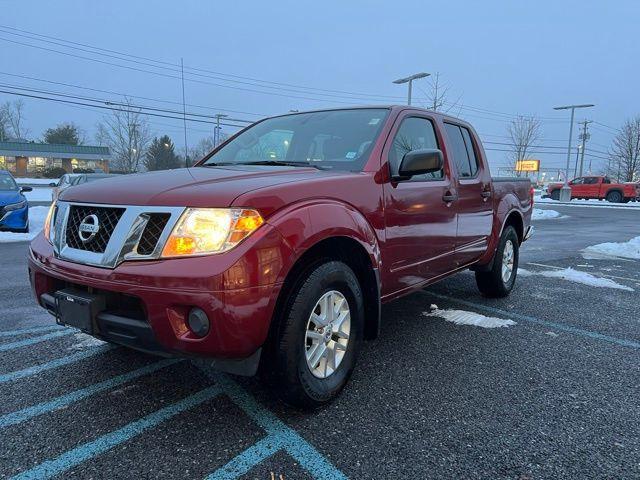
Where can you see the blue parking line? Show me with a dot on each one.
(33, 340)
(525, 318)
(58, 362)
(296, 446)
(20, 416)
(24, 331)
(89, 450)
(248, 459)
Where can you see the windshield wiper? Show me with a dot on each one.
(281, 163)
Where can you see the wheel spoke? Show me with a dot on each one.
(340, 320)
(317, 355)
(317, 337)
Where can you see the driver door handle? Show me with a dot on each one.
(485, 194)
(449, 197)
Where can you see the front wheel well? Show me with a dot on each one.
(353, 254)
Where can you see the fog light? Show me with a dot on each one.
(198, 322)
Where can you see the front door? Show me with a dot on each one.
(474, 205)
(420, 226)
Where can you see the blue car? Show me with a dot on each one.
(14, 208)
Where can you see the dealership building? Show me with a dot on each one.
(29, 159)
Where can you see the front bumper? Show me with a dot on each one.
(148, 301)
(15, 219)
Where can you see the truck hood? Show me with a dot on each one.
(190, 187)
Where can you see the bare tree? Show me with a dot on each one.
(127, 134)
(624, 154)
(524, 132)
(12, 119)
(438, 95)
(203, 147)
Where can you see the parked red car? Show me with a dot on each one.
(597, 187)
(278, 248)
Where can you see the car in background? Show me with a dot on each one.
(596, 187)
(14, 208)
(72, 179)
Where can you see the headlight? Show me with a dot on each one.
(47, 222)
(210, 230)
(15, 206)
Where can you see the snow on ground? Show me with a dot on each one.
(463, 317)
(37, 216)
(524, 273)
(630, 249)
(35, 181)
(39, 194)
(539, 214)
(83, 341)
(586, 203)
(585, 278)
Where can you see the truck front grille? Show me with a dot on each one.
(108, 218)
(152, 232)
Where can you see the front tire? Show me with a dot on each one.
(614, 197)
(555, 195)
(499, 281)
(319, 336)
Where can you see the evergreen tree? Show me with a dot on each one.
(161, 155)
(65, 134)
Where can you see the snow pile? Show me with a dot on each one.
(35, 181)
(84, 341)
(539, 214)
(39, 194)
(463, 317)
(630, 249)
(524, 273)
(585, 278)
(37, 215)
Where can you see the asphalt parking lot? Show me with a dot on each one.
(554, 396)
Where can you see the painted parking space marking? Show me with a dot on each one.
(89, 450)
(25, 331)
(33, 340)
(525, 318)
(20, 416)
(280, 437)
(58, 362)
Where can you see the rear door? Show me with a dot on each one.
(420, 226)
(474, 206)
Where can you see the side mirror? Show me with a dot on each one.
(53, 184)
(25, 189)
(418, 162)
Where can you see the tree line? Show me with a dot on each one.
(125, 131)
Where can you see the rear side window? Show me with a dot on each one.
(464, 155)
(414, 134)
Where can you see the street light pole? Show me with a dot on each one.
(410, 80)
(565, 191)
(216, 136)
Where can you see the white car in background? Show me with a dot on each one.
(73, 179)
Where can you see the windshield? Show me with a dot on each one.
(335, 139)
(7, 183)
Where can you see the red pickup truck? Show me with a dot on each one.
(275, 252)
(597, 187)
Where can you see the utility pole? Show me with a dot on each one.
(565, 191)
(184, 117)
(584, 136)
(575, 169)
(216, 134)
(410, 80)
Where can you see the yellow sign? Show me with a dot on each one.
(527, 165)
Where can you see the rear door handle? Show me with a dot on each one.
(449, 197)
(485, 194)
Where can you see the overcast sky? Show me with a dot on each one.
(498, 58)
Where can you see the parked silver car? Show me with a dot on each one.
(72, 179)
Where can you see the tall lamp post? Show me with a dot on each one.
(565, 191)
(410, 80)
(216, 137)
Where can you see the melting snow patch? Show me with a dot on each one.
(584, 278)
(524, 273)
(463, 317)
(539, 214)
(85, 341)
(630, 249)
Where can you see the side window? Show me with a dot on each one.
(590, 180)
(577, 181)
(414, 134)
(606, 180)
(471, 153)
(459, 150)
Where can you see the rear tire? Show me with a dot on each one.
(555, 195)
(614, 197)
(499, 281)
(301, 379)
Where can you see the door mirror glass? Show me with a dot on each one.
(25, 189)
(419, 162)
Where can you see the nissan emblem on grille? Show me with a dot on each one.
(88, 228)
